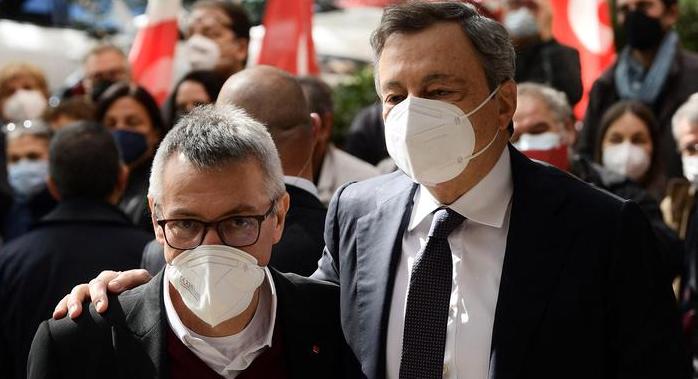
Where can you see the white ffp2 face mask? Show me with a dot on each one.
(542, 141)
(627, 159)
(24, 105)
(202, 53)
(432, 141)
(215, 282)
(690, 168)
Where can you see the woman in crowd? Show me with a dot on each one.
(133, 116)
(27, 168)
(23, 92)
(194, 89)
(628, 145)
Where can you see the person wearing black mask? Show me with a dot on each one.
(133, 117)
(103, 66)
(652, 68)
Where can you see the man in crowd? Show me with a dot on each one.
(542, 276)
(82, 236)
(539, 57)
(103, 66)
(218, 203)
(652, 68)
(275, 98)
(217, 36)
(544, 130)
(332, 167)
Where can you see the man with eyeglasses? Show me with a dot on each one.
(218, 203)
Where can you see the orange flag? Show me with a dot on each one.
(288, 37)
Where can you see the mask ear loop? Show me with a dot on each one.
(491, 95)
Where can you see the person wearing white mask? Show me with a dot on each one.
(23, 92)
(544, 130)
(472, 261)
(27, 171)
(540, 57)
(216, 310)
(629, 146)
(217, 36)
(680, 209)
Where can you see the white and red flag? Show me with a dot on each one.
(152, 53)
(586, 26)
(288, 37)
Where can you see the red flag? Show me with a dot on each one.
(152, 53)
(586, 26)
(288, 37)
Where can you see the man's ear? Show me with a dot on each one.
(670, 16)
(240, 51)
(316, 126)
(282, 206)
(159, 235)
(506, 101)
(570, 132)
(53, 188)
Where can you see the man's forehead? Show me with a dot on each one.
(209, 16)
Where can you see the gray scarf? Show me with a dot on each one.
(634, 83)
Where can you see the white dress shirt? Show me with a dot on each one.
(301, 183)
(338, 168)
(230, 355)
(477, 247)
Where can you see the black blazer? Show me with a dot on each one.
(70, 245)
(581, 295)
(129, 340)
(300, 246)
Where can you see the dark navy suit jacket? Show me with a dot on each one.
(581, 296)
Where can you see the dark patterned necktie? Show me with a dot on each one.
(428, 298)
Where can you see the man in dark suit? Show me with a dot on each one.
(474, 261)
(82, 236)
(276, 99)
(218, 203)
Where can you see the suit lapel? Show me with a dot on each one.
(148, 322)
(538, 237)
(379, 243)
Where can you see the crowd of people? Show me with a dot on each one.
(469, 227)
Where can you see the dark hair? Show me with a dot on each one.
(84, 161)
(489, 38)
(210, 80)
(236, 12)
(653, 178)
(318, 93)
(669, 3)
(123, 89)
(76, 107)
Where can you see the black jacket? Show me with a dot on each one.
(582, 293)
(129, 340)
(300, 246)
(70, 245)
(680, 84)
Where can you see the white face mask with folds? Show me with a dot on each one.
(627, 159)
(24, 105)
(432, 141)
(216, 282)
(202, 53)
(690, 168)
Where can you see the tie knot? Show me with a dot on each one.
(444, 222)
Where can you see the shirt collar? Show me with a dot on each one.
(301, 183)
(251, 343)
(486, 203)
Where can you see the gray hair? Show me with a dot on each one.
(555, 100)
(687, 112)
(490, 39)
(212, 136)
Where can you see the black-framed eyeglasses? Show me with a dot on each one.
(234, 231)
